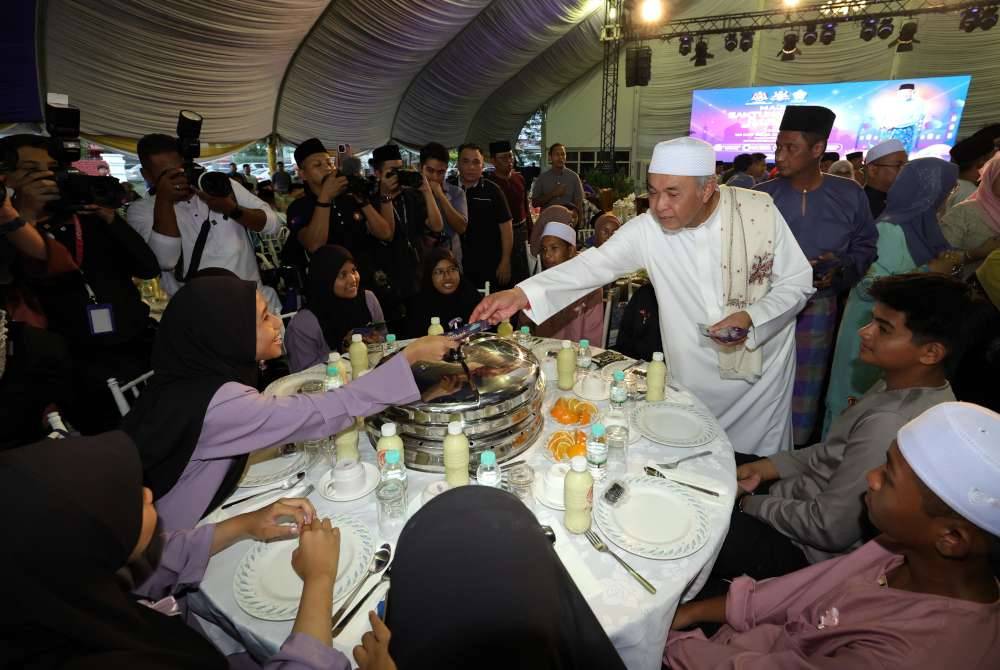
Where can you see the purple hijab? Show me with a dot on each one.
(913, 202)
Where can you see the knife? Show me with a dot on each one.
(653, 472)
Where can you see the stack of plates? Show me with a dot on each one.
(675, 424)
(266, 586)
(657, 518)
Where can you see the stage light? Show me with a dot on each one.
(989, 18)
(612, 13)
(701, 54)
(885, 28)
(970, 19)
(651, 11)
(730, 42)
(791, 4)
(907, 36)
(789, 48)
(829, 32)
(746, 40)
(685, 47)
(810, 36)
(868, 29)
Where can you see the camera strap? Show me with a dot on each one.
(199, 248)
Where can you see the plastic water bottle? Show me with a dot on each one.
(619, 391)
(435, 328)
(583, 358)
(394, 470)
(390, 346)
(334, 358)
(333, 379)
(597, 452)
(488, 472)
(523, 336)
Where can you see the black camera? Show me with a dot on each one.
(358, 186)
(408, 178)
(76, 189)
(189, 147)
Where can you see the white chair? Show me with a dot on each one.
(608, 305)
(534, 262)
(582, 235)
(485, 290)
(118, 391)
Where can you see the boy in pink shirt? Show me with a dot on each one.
(921, 595)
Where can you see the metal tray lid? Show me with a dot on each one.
(495, 370)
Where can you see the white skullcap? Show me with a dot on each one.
(684, 156)
(954, 448)
(560, 230)
(884, 149)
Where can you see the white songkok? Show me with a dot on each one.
(954, 448)
(684, 156)
(560, 230)
(884, 149)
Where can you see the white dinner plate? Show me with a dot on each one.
(267, 466)
(657, 519)
(675, 424)
(371, 483)
(266, 586)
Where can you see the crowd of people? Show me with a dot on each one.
(857, 392)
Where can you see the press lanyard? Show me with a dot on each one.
(78, 234)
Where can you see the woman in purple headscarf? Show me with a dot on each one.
(909, 240)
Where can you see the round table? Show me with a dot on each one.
(635, 620)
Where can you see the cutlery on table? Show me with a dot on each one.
(289, 483)
(674, 464)
(653, 472)
(599, 545)
(379, 561)
(339, 628)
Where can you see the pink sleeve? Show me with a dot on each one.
(240, 420)
(593, 318)
(304, 652)
(182, 563)
(697, 653)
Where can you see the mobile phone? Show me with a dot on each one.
(341, 148)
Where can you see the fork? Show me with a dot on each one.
(672, 465)
(599, 545)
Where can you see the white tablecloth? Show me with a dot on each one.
(635, 620)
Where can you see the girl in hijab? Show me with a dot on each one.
(604, 224)
(527, 612)
(973, 226)
(200, 416)
(444, 293)
(583, 319)
(909, 240)
(336, 306)
(92, 586)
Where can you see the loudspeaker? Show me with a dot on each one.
(637, 65)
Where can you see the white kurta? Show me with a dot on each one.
(685, 268)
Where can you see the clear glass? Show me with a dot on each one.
(521, 482)
(391, 500)
(616, 433)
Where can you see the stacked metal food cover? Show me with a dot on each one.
(494, 387)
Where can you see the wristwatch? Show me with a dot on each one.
(387, 198)
(11, 225)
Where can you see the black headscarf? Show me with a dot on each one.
(429, 302)
(64, 607)
(336, 316)
(475, 584)
(207, 337)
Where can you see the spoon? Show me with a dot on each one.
(379, 561)
(386, 578)
(289, 483)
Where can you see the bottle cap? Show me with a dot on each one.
(597, 430)
(388, 429)
(435, 320)
(488, 458)
(584, 343)
(356, 337)
(619, 375)
(526, 330)
(390, 338)
(334, 357)
(392, 456)
(566, 344)
(578, 463)
(454, 427)
(658, 356)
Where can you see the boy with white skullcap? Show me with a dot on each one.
(921, 595)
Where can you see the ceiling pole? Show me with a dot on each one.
(272, 151)
(611, 35)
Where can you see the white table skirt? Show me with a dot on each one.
(635, 620)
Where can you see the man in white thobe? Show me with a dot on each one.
(715, 255)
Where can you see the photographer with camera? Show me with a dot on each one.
(334, 210)
(84, 285)
(405, 199)
(190, 228)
